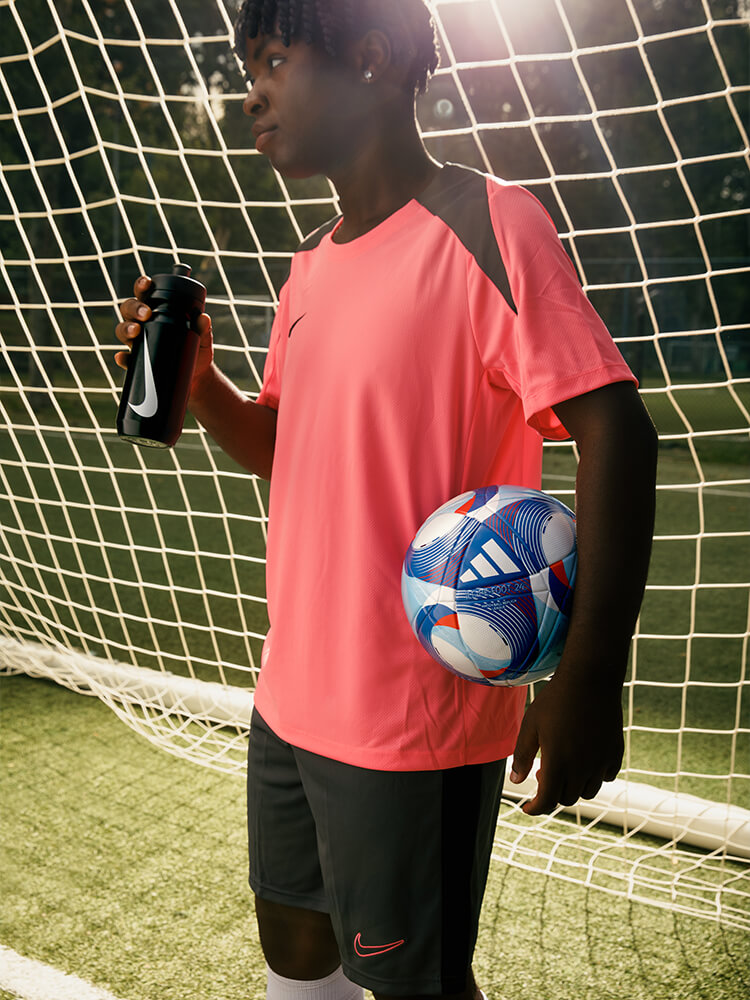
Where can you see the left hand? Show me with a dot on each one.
(579, 732)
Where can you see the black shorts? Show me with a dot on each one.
(398, 859)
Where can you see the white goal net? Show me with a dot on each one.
(138, 575)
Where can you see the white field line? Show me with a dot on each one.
(28, 979)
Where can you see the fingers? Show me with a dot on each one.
(526, 749)
(132, 310)
(549, 793)
(137, 308)
(135, 312)
(203, 326)
(142, 286)
(555, 788)
(591, 788)
(127, 332)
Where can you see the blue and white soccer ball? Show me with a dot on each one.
(487, 584)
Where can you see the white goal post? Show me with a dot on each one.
(138, 577)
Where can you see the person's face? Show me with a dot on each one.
(308, 108)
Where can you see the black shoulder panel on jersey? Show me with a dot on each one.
(458, 196)
(311, 241)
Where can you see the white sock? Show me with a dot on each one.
(333, 987)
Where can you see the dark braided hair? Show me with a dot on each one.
(330, 24)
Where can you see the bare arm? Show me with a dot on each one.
(576, 719)
(245, 430)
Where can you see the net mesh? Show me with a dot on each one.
(123, 148)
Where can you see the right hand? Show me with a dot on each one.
(135, 312)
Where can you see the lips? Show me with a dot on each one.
(262, 135)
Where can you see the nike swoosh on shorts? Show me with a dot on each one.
(370, 950)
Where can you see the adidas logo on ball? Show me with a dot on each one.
(487, 584)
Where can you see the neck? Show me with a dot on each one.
(388, 170)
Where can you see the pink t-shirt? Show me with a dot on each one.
(407, 366)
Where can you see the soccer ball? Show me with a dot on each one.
(487, 584)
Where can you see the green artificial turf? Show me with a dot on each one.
(126, 866)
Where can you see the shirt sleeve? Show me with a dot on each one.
(270, 392)
(554, 346)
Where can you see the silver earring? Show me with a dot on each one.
(368, 75)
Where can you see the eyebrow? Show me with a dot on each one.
(267, 39)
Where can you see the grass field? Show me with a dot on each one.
(126, 866)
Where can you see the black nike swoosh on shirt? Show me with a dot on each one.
(296, 322)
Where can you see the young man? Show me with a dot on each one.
(426, 340)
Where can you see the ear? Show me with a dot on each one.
(373, 54)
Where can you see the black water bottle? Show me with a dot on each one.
(157, 383)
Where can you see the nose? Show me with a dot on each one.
(253, 103)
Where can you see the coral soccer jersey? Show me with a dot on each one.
(407, 366)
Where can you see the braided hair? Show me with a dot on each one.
(330, 24)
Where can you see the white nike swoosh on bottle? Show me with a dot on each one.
(150, 403)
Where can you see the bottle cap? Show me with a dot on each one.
(179, 283)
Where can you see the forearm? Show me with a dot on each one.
(615, 518)
(245, 430)
(576, 718)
